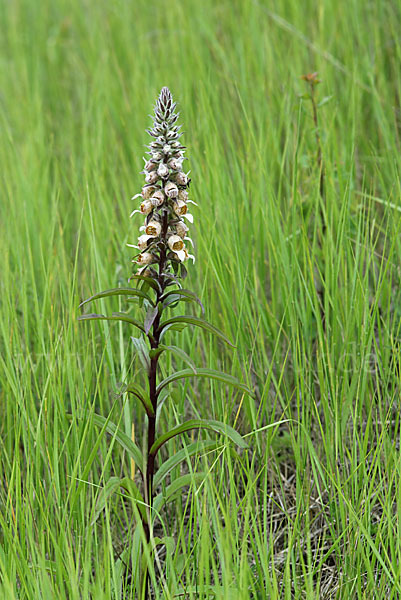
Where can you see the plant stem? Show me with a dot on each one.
(152, 377)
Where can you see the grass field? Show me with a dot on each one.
(307, 287)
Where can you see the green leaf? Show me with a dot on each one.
(121, 438)
(174, 461)
(199, 322)
(139, 392)
(185, 295)
(217, 426)
(112, 486)
(143, 351)
(173, 327)
(175, 350)
(209, 373)
(118, 292)
(150, 317)
(176, 487)
(149, 280)
(114, 317)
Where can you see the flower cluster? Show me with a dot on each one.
(164, 196)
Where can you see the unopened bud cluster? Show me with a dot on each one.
(164, 197)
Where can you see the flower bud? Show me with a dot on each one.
(161, 139)
(158, 198)
(172, 134)
(175, 243)
(183, 195)
(150, 166)
(166, 149)
(171, 189)
(153, 228)
(180, 208)
(152, 177)
(145, 258)
(181, 178)
(146, 207)
(175, 164)
(157, 155)
(147, 191)
(162, 171)
(181, 229)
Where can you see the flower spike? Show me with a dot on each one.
(164, 196)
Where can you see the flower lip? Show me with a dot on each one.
(175, 243)
(146, 207)
(180, 208)
(145, 258)
(153, 228)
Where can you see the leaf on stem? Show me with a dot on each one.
(114, 317)
(217, 426)
(150, 317)
(184, 295)
(209, 373)
(119, 292)
(149, 280)
(139, 392)
(175, 487)
(112, 486)
(143, 352)
(175, 350)
(175, 459)
(198, 322)
(122, 438)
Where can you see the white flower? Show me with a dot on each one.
(158, 198)
(181, 178)
(153, 228)
(183, 195)
(175, 243)
(147, 191)
(152, 177)
(150, 166)
(175, 164)
(146, 207)
(180, 208)
(171, 190)
(145, 258)
(162, 171)
(181, 229)
(189, 217)
(143, 241)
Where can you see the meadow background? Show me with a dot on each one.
(309, 291)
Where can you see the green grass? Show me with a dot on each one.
(312, 509)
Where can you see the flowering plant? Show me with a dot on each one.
(159, 269)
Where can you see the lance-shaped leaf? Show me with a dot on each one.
(208, 373)
(113, 486)
(122, 438)
(114, 317)
(217, 426)
(139, 392)
(199, 322)
(175, 459)
(143, 351)
(119, 292)
(185, 295)
(150, 317)
(175, 350)
(149, 280)
(176, 487)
